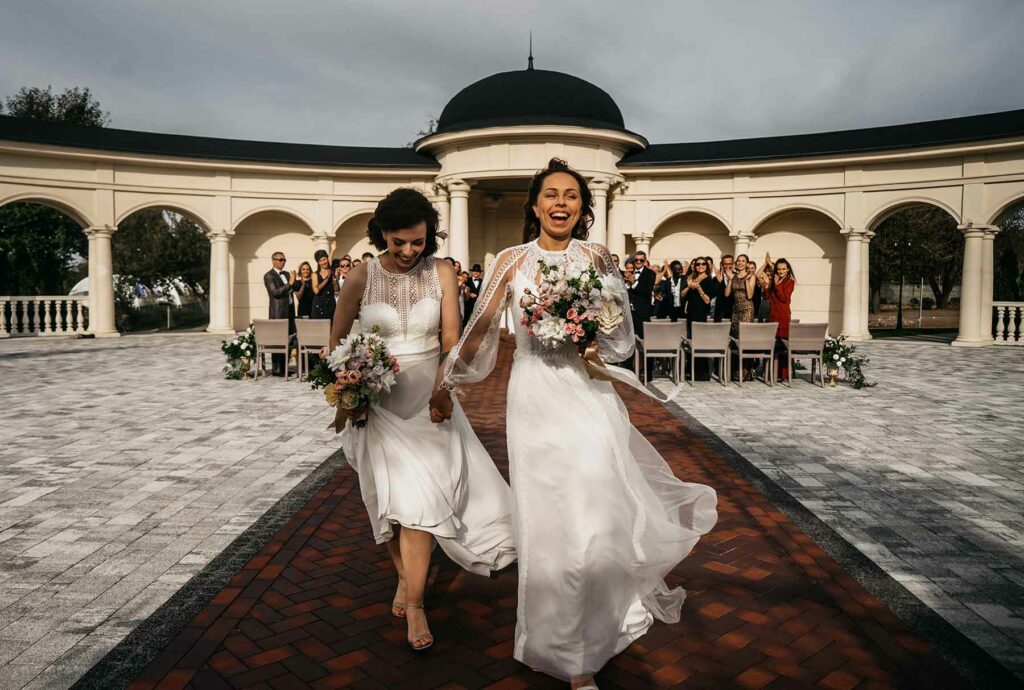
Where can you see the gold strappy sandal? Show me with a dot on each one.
(425, 637)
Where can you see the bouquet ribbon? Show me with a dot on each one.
(598, 370)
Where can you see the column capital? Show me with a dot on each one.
(743, 235)
(99, 231)
(440, 191)
(619, 188)
(600, 185)
(971, 229)
(641, 236)
(458, 187)
(220, 235)
(855, 234)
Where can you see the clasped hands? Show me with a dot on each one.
(441, 405)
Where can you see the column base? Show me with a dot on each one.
(220, 331)
(858, 337)
(107, 334)
(983, 342)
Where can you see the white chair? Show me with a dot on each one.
(312, 335)
(757, 341)
(806, 341)
(272, 337)
(661, 341)
(708, 341)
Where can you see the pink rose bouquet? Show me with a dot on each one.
(356, 373)
(572, 304)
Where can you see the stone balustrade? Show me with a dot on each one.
(43, 315)
(1006, 323)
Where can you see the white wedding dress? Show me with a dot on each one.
(600, 519)
(412, 472)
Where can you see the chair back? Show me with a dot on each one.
(271, 332)
(794, 320)
(757, 337)
(663, 336)
(709, 336)
(807, 337)
(313, 333)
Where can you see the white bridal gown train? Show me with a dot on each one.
(412, 472)
(600, 519)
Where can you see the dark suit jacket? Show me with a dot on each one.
(280, 293)
(475, 286)
(645, 284)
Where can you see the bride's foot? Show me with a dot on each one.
(398, 605)
(587, 683)
(419, 632)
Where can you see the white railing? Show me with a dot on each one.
(1006, 323)
(44, 315)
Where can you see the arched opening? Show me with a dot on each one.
(915, 261)
(161, 257)
(809, 239)
(1008, 262)
(686, 235)
(350, 237)
(256, 239)
(43, 254)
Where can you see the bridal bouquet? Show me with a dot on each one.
(356, 374)
(572, 304)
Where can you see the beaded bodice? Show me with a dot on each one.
(404, 307)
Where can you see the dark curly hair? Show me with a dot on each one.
(531, 223)
(404, 208)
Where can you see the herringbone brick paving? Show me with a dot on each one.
(766, 606)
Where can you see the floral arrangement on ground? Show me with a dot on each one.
(839, 354)
(240, 352)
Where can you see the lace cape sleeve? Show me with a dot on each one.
(618, 345)
(473, 357)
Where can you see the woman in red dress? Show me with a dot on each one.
(779, 292)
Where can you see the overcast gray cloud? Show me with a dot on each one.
(373, 73)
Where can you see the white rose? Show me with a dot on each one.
(835, 357)
(842, 360)
(551, 330)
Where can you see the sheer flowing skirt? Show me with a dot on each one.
(432, 477)
(600, 519)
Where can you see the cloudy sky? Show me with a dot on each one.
(374, 72)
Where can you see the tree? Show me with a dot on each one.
(156, 247)
(931, 246)
(1009, 258)
(40, 246)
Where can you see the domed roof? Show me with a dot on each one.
(530, 97)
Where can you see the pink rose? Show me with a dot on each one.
(570, 328)
(571, 314)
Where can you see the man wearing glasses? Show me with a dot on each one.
(643, 286)
(279, 284)
(342, 270)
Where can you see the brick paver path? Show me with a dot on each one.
(766, 607)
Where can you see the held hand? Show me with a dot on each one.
(291, 277)
(441, 406)
(340, 417)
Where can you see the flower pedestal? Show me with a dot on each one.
(833, 373)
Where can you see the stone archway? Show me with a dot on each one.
(810, 240)
(256, 237)
(350, 237)
(688, 234)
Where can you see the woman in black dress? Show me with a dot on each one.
(303, 289)
(324, 287)
(697, 296)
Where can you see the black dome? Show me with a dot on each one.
(530, 97)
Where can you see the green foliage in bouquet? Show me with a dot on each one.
(838, 353)
(240, 352)
(582, 283)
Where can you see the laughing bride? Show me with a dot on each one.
(600, 519)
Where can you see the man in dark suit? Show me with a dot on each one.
(643, 286)
(473, 287)
(279, 284)
(723, 304)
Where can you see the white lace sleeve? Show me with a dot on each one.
(618, 345)
(473, 357)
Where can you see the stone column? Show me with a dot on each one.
(458, 236)
(742, 244)
(220, 283)
(865, 301)
(616, 237)
(440, 201)
(599, 187)
(971, 288)
(321, 241)
(642, 241)
(853, 283)
(101, 283)
(987, 281)
(491, 205)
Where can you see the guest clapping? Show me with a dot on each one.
(697, 293)
(740, 290)
(670, 304)
(780, 293)
(323, 287)
(303, 287)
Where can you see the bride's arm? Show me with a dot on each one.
(451, 324)
(347, 309)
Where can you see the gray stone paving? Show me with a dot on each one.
(126, 466)
(924, 474)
